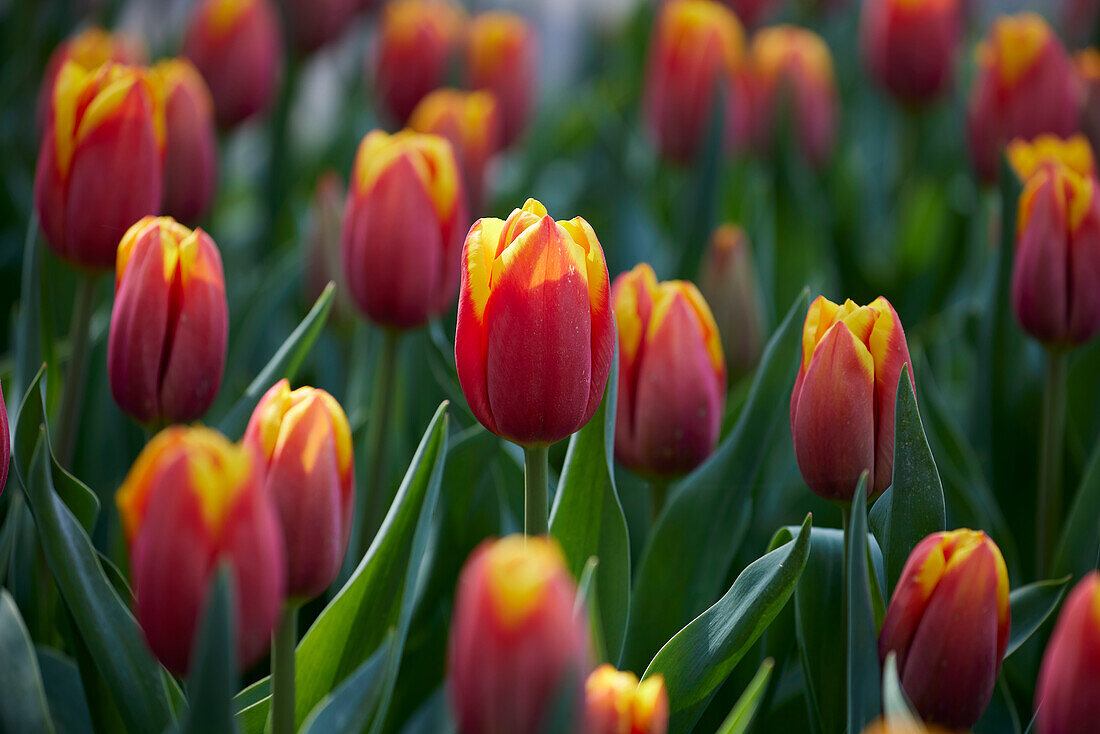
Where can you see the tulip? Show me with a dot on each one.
(99, 166)
(908, 46)
(948, 624)
(904, 726)
(417, 40)
(1025, 86)
(672, 374)
(471, 122)
(403, 228)
(793, 70)
(516, 645)
(1088, 70)
(1069, 678)
(535, 336)
(728, 282)
(752, 12)
(166, 348)
(501, 57)
(842, 407)
(616, 703)
(5, 442)
(322, 244)
(191, 145)
(303, 439)
(314, 23)
(191, 502)
(237, 46)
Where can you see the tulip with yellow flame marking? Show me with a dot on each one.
(191, 142)
(909, 46)
(616, 703)
(502, 58)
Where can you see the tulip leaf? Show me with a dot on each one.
(348, 709)
(740, 718)
(587, 518)
(1031, 605)
(1000, 716)
(672, 587)
(64, 692)
(33, 329)
(863, 663)
(697, 660)
(25, 708)
(588, 602)
(213, 675)
(1077, 548)
(896, 708)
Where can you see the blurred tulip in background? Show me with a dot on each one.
(909, 46)
(731, 288)
(1066, 700)
(191, 141)
(501, 57)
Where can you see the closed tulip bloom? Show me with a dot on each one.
(314, 23)
(191, 502)
(842, 407)
(948, 624)
(616, 703)
(166, 348)
(535, 336)
(5, 442)
(501, 57)
(1025, 86)
(191, 144)
(1087, 62)
(516, 643)
(1066, 700)
(672, 374)
(908, 46)
(237, 46)
(403, 223)
(99, 166)
(729, 284)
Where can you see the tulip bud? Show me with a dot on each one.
(314, 23)
(672, 375)
(516, 645)
(417, 39)
(166, 349)
(1069, 678)
(842, 407)
(616, 703)
(1025, 86)
(1088, 71)
(948, 624)
(471, 122)
(909, 46)
(403, 228)
(303, 440)
(728, 282)
(535, 336)
(501, 56)
(237, 46)
(793, 70)
(322, 244)
(192, 501)
(99, 166)
(191, 145)
(5, 441)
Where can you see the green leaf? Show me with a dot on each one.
(1000, 716)
(348, 709)
(863, 665)
(64, 692)
(1031, 605)
(25, 708)
(896, 708)
(696, 661)
(741, 716)
(213, 675)
(588, 601)
(588, 520)
(703, 511)
(1080, 541)
(33, 341)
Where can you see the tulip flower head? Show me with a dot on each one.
(166, 348)
(191, 502)
(535, 336)
(672, 374)
(1087, 62)
(314, 23)
(616, 703)
(909, 46)
(842, 407)
(501, 57)
(729, 284)
(948, 624)
(905, 726)
(1065, 695)
(191, 144)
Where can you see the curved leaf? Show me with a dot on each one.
(213, 675)
(741, 716)
(25, 707)
(1080, 541)
(348, 709)
(1031, 605)
(64, 692)
(864, 684)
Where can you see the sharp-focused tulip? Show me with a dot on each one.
(166, 349)
(501, 56)
(471, 122)
(672, 374)
(314, 23)
(1066, 700)
(516, 645)
(1088, 71)
(303, 440)
(191, 502)
(909, 46)
(402, 229)
(100, 165)
(416, 43)
(1025, 86)
(948, 624)
(237, 46)
(5, 441)
(616, 703)
(191, 144)
(729, 284)
(322, 244)
(793, 73)
(842, 407)
(535, 335)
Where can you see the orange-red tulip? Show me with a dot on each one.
(905, 726)
(1066, 700)
(191, 144)
(729, 284)
(501, 57)
(616, 703)
(909, 45)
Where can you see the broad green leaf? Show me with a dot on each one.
(348, 709)
(863, 665)
(741, 716)
(588, 600)
(1080, 541)
(213, 675)
(24, 708)
(33, 335)
(64, 692)
(433, 717)
(896, 708)
(1031, 605)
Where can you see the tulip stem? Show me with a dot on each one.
(535, 460)
(283, 643)
(1049, 516)
(73, 395)
(658, 492)
(378, 430)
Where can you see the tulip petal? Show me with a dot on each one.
(890, 352)
(922, 572)
(470, 333)
(1084, 276)
(1039, 279)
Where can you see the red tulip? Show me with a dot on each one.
(909, 45)
(314, 23)
(1066, 700)
(616, 703)
(729, 284)
(1087, 63)
(502, 57)
(753, 12)
(191, 144)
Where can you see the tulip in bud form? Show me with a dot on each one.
(99, 167)
(909, 46)
(672, 374)
(314, 23)
(517, 649)
(403, 228)
(948, 624)
(842, 407)
(237, 46)
(191, 144)
(501, 57)
(616, 703)
(166, 349)
(303, 440)
(191, 502)
(535, 336)
(1088, 71)
(728, 282)
(1025, 86)
(1066, 700)
(5, 441)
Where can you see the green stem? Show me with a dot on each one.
(846, 526)
(535, 460)
(658, 492)
(73, 395)
(283, 643)
(373, 499)
(1049, 516)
